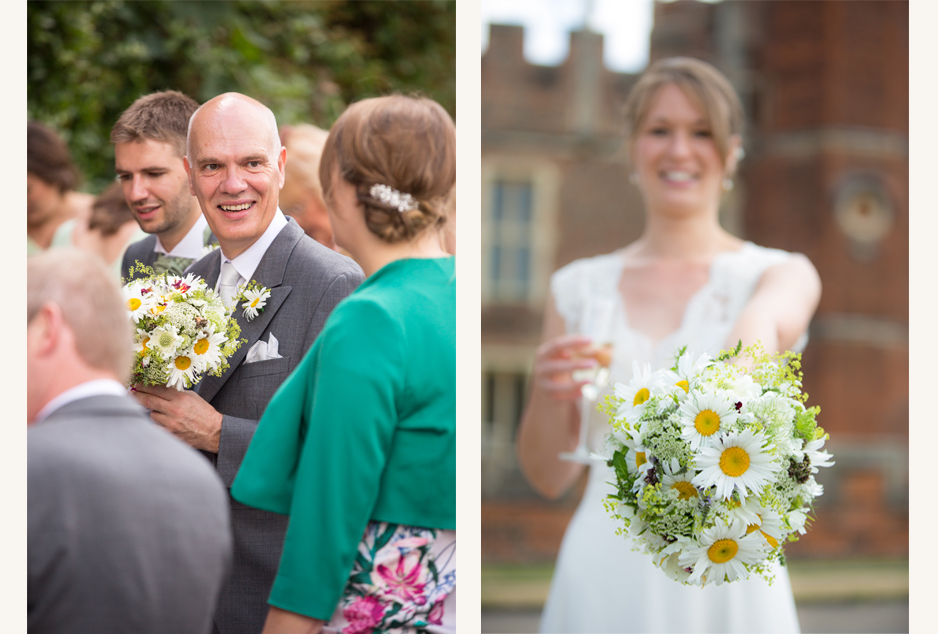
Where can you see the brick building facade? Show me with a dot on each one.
(825, 88)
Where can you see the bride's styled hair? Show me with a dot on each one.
(405, 143)
(703, 84)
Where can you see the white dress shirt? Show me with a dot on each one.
(96, 387)
(246, 263)
(191, 244)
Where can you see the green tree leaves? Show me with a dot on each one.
(306, 60)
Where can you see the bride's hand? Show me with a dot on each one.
(554, 364)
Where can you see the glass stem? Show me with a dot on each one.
(585, 404)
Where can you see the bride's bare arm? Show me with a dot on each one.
(550, 423)
(781, 306)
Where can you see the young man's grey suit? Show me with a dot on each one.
(128, 526)
(306, 281)
(140, 251)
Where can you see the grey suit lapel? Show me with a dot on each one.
(207, 268)
(269, 273)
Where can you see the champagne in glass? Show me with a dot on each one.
(598, 324)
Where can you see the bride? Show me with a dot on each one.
(686, 281)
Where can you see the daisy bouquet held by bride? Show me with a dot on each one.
(183, 330)
(714, 463)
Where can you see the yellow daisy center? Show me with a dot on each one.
(752, 528)
(707, 422)
(156, 310)
(772, 541)
(722, 551)
(183, 363)
(254, 303)
(641, 396)
(144, 344)
(201, 346)
(734, 461)
(684, 385)
(685, 489)
(639, 458)
(133, 304)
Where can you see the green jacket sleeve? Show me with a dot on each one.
(266, 476)
(351, 407)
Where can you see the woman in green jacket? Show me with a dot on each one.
(358, 446)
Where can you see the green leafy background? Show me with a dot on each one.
(88, 61)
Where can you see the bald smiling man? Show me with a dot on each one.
(235, 165)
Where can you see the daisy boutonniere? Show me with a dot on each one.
(252, 297)
(208, 248)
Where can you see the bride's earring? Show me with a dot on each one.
(727, 184)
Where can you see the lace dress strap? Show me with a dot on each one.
(736, 274)
(574, 284)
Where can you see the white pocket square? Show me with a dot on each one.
(262, 350)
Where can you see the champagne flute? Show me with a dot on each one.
(599, 324)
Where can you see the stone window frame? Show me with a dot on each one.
(545, 180)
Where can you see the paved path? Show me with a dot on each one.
(883, 617)
(831, 596)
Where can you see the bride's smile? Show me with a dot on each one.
(676, 160)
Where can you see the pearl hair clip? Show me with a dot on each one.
(393, 198)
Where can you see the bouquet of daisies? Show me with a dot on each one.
(183, 330)
(714, 463)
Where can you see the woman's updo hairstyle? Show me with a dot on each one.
(405, 143)
(704, 85)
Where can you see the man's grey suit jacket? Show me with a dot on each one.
(128, 527)
(140, 251)
(306, 281)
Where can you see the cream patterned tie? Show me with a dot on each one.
(228, 283)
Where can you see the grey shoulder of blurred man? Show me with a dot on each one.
(126, 524)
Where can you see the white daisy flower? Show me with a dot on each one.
(643, 386)
(682, 483)
(769, 524)
(255, 302)
(689, 367)
(746, 388)
(735, 461)
(160, 304)
(816, 457)
(207, 350)
(812, 488)
(721, 554)
(138, 301)
(185, 285)
(745, 511)
(181, 368)
(164, 342)
(703, 415)
(636, 458)
(668, 559)
(141, 340)
(797, 520)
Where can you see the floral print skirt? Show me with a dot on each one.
(403, 582)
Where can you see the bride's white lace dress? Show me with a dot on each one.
(600, 584)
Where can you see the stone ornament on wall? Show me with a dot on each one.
(864, 211)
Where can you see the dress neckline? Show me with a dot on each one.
(654, 346)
